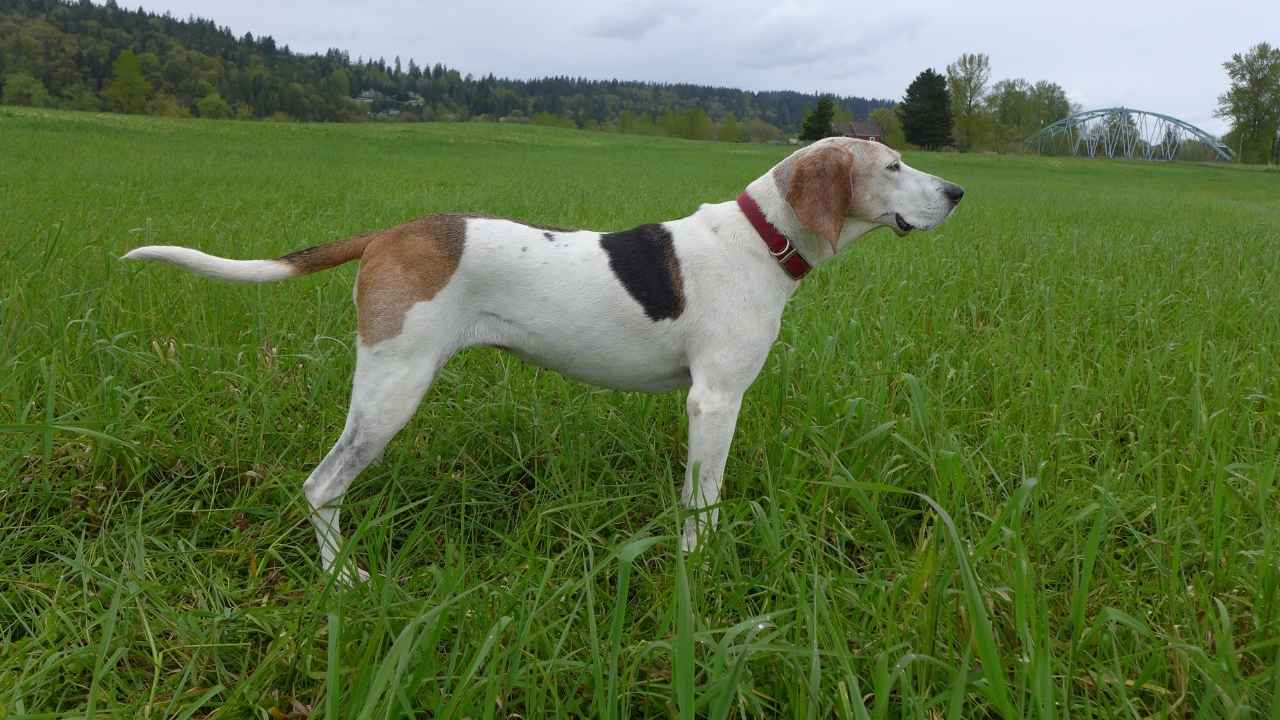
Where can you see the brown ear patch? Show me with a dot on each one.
(820, 189)
(404, 265)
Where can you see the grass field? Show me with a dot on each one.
(1022, 466)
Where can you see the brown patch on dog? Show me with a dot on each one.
(404, 265)
(677, 278)
(323, 257)
(819, 187)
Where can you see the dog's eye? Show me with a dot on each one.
(895, 166)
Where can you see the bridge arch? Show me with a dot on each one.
(1127, 133)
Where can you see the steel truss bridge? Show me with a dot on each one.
(1127, 133)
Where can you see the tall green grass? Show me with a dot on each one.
(1021, 466)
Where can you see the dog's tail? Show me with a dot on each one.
(302, 262)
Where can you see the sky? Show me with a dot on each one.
(1160, 56)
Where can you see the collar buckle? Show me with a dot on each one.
(787, 254)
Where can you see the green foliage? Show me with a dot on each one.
(817, 124)
(729, 130)
(1018, 109)
(165, 105)
(338, 85)
(668, 124)
(127, 92)
(699, 125)
(974, 130)
(888, 121)
(1252, 103)
(760, 131)
(549, 120)
(22, 88)
(81, 98)
(1001, 117)
(967, 80)
(633, 123)
(926, 111)
(213, 107)
(628, 123)
(1027, 461)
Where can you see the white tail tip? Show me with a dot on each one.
(213, 266)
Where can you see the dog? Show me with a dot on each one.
(690, 303)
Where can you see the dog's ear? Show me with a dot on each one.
(820, 190)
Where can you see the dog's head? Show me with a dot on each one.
(837, 180)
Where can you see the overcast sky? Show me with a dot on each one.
(1162, 56)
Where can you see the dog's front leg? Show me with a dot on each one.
(713, 414)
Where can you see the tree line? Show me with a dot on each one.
(960, 109)
(965, 110)
(84, 56)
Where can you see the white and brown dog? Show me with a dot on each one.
(690, 303)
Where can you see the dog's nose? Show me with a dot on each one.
(953, 192)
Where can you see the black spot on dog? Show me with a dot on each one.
(549, 237)
(644, 259)
(524, 248)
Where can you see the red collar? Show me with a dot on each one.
(780, 246)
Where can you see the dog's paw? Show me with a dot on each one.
(689, 539)
(352, 575)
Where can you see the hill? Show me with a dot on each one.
(84, 56)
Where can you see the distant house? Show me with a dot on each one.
(368, 97)
(862, 130)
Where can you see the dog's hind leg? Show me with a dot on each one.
(389, 383)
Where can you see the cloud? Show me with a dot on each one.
(872, 49)
(633, 20)
(789, 36)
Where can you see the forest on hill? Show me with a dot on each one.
(86, 56)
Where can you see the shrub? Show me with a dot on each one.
(22, 88)
(213, 106)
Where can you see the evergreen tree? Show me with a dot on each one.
(817, 124)
(128, 90)
(926, 111)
